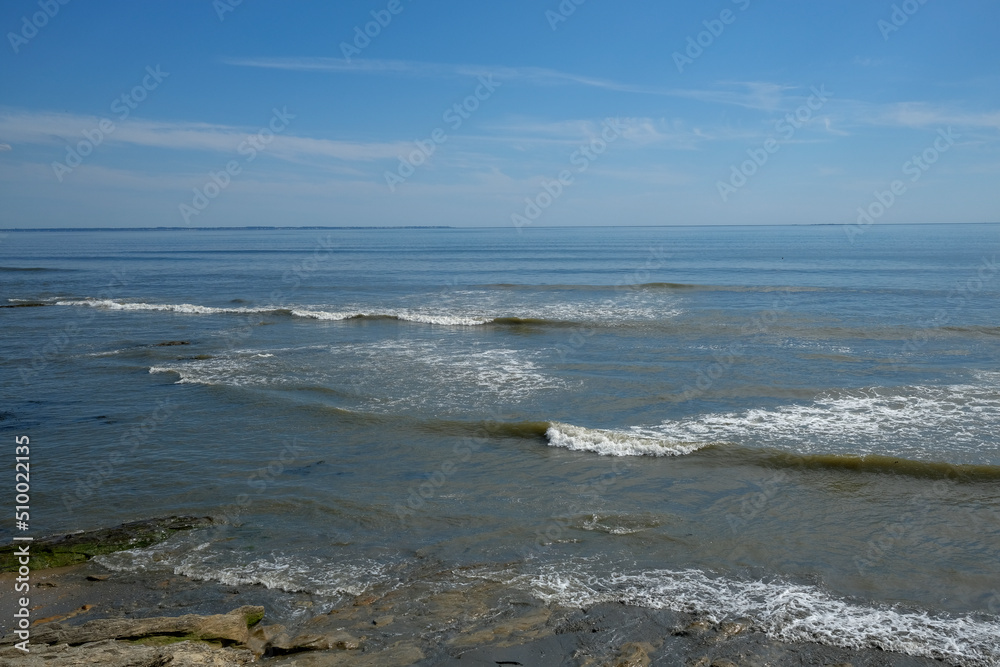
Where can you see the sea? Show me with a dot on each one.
(798, 426)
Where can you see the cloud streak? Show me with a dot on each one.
(920, 115)
(66, 129)
(534, 75)
(751, 94)
(857, 114)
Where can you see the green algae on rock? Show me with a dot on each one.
(62, 550)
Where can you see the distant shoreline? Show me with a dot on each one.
(364, 227)
(205, 229)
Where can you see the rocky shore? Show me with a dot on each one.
(85, 615)
(481, 623)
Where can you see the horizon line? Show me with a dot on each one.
(361, 227)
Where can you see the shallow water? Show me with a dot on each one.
(771, 423)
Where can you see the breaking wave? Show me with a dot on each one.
(785, 612)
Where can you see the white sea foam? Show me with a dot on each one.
(237, 369)
(616, 443)
(293, 574)
(620, 524)
(784, 612)
(108, 353)
(988, 378)
(187, 308)
(450, 375)
(290, 573)
(470, 312)
(399, 314)
(904, 421)
(325, 314)
(448, 320)
(45, 299)
(416, 316)
(911, 422)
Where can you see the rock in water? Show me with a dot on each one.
(112, 653)
(60, 550)
(182, 641)
(224, 629)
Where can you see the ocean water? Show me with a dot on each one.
(779, 424)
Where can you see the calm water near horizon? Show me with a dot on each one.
(771, 423)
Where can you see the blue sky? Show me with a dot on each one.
(650, 113)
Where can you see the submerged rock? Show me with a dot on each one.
(112, 653)
(222, 629)
(61, 550)
(218, 640)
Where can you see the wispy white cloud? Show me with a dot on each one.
(913, 115)
(748, 94)
(921, 115)
(829, 127)
(751, 94)
(4, 147)
(762, 96)
(636, 131)
(534, 75)
(663, 132)
(66, 129)
(866, 62)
